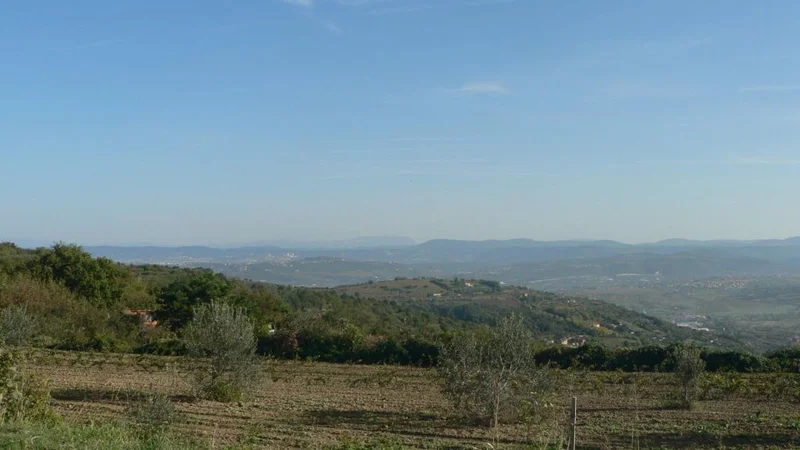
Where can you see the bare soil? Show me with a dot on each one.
(316, 405)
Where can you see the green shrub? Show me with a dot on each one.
(496, 376)
(788, 359)
(720, 361)
(688, 369)
(224, 335)
(153, 412)
(22, 397)
(17, 327)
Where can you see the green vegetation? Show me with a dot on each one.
(93, 436)
(489, 340)
(22, 396)
(99, 280)
(688, 369)
(549, 316)
(17, 327)
(153, 413)
(759, 312)
(494, 376)
(82, 303)
(179, 299)
(223, 333)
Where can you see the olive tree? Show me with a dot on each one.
(495, 376)
(17, 327)
(223, 333)
(688, 369)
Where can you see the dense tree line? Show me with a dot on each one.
(661, 359)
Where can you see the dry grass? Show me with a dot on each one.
(320, 405)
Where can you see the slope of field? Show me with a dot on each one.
(317, 406)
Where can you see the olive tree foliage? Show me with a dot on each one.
(223, 333)
(17, 327)
(688, 369)
(495, 377)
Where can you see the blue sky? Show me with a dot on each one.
(218, 122)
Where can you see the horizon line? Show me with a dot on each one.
(309, 244)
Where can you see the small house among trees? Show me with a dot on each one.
(145, 317)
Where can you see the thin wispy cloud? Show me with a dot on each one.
(332, 27)
(303, 3)
(328, 25)
(766, 161)
(481, 88)
(771, 88)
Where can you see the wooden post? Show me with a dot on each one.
(574, 422)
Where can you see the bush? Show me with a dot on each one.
(726, 361)
(642, 359)
(688, 369)
(154, 413)
(224, 334)
(495, 376)
(17, 327)
(22, 397)
(787, 359)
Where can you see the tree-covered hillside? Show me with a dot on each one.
(551, 317)
(81, 302)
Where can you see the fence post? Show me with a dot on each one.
(574, 422)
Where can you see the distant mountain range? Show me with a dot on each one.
(355, 243)
(516, 260)
(405, 250)
(728, 243)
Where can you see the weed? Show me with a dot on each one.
(383, 444)
(154, 413)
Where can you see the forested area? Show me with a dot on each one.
(63, 298)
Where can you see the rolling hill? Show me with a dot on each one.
(551, 317)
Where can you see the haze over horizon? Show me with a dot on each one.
(354, 242)
(202, 122)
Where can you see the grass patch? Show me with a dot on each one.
(108, 436)
(381, 444)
